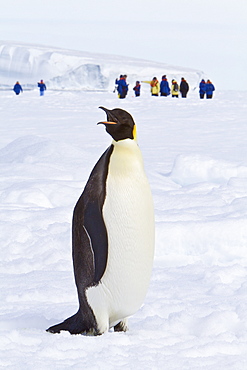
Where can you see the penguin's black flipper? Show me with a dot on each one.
(89, 247)
(75, 325)
(89, 235)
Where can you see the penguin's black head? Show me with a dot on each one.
(120, 124)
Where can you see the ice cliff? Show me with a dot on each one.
(68, 69)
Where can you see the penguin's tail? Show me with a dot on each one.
(75, 325)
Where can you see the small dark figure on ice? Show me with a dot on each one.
(184, 88)
(209, 89)
(137, 88)
(122, 86)
(202, 89)
(164, 87)
(17, 88)
(42, 87)
(175, 89)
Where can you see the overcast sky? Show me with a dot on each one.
(210, 36)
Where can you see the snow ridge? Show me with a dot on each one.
(77, 70)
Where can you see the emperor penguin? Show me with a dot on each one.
(112, 235)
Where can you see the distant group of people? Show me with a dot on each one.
(122, 86)
(41, 85)
(156, 88)
(163, 88)
(206, 88)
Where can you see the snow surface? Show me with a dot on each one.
(68, 69)
(195, 153)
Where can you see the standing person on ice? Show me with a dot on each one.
(209, 89)
(164, 87)
(155, 86)
(17, 88)
(137, 88)
(184, 87)
(202, 89)
(122, 86)
(42, 87)
(174, 89)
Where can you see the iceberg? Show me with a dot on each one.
(78, 70)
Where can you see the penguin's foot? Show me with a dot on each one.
(74, 325)
(121, 326)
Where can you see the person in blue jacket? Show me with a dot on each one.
(42, 87)
(209, 89)
(202, 89)
(137, 88)
(164, 87)
(17, 88)
(122, 86)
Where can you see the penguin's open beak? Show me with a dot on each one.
(110, 118)
(107, 123)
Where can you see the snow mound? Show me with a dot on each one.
(67, 69)
(35, 149)
(195, 168)
(195, 313)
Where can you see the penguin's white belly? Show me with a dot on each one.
(129, 219)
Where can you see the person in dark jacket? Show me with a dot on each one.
(202, 89)
(122, 86)
(184, 87)
(164, 87)
(209, 89)
(137, 88)
(17, 88)
(42, 87)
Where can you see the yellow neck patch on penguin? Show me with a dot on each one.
(135, 133)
